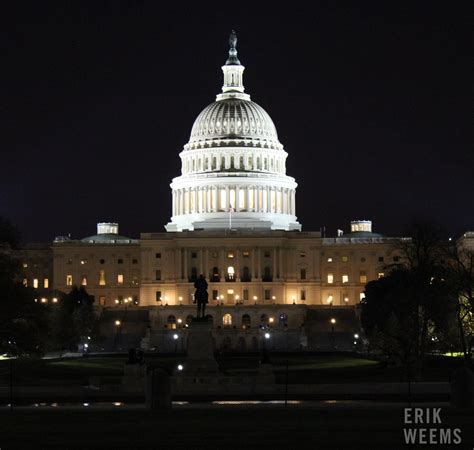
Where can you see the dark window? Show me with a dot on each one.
(135, 300)
(362, 259)
(102, 261)
(194, 274)
(158, 275)
(158, 296)
(69, 261)
(303, 254)
(396, 258)
(246, 274)
(263, 320)
(266, 254)
(134, 261)
(246, 294)
(215, 294)
(268, 294)
(215, 274)
(303, 274)
(380, 258)
(157, 255)
(194, 255)
(302, 294)
(120, 261)
(246, 321)
(267, 274)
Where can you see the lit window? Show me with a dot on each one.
(120, 279)
(158, 275)
(330, 278)
(230, 255)
(101, 277)
(227, 319)
(35, 283)
(362, 277)
(83, 261)
(345, 278)
(25, 282)
(135, 281)
(46, 283)
(215, 294)
(330, 298)
(381, 274)
(230, 273)
(102, 300)
(245, 254)
(25, 265)
(344, 258)
(362, 296)
(68, 280)
(303, 274)
(329, 260)
(84, 280)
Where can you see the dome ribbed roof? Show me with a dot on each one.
(233, 118)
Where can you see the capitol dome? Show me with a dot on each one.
(230, 120)
(233, 169)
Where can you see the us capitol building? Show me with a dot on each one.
(234, 220)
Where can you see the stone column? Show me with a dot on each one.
(280, 262)
(259, 264)
(293, 202)
(274, 257)
(222, 267)
(237, 197)
(196, 199)
(206, 262)
(247, 192)
(227, 198)
(255, 198)
(185, 264)
(237, 265)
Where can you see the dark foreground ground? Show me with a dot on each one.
(317, 426)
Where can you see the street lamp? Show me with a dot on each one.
(175, 337)
(333, 322)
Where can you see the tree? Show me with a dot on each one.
(23, 320)
(74, 317)
(461, 277)
(414, 302)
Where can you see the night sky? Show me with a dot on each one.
(372, 102)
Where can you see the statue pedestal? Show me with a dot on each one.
(200, 358)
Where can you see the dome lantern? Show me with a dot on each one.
(233, 74)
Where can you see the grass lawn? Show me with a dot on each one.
(303, 369)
